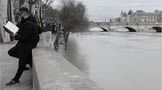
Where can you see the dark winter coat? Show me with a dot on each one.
(27, 35)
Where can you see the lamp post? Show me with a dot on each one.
(145, 25)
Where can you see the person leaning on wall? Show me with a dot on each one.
(28, 38)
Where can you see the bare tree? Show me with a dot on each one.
(48, 2)
(73, 16)
(50, 13)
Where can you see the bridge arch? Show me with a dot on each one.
(131, 29)
(158, 29)
(102, 28)
(122, 29)
(105, 30)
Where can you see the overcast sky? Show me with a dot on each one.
(101, 10)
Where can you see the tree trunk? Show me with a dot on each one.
(3, 17)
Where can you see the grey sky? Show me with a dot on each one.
(101, 10)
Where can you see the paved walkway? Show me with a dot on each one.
(8, 68)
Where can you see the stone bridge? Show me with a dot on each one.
(132, 27)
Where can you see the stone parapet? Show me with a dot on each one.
(51, 71)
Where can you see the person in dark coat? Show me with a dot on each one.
(27, 37)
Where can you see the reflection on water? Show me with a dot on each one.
(118, 60)
(76, 58)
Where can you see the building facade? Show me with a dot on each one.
(141, 16)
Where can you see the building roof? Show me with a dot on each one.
(142, 13)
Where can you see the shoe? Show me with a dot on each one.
(12, 82)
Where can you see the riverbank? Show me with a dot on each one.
(51, 71)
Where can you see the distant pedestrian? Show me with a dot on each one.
(27, 37)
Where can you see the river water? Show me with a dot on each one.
(118, 60)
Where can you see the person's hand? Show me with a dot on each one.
(12, 36)
(16, 34)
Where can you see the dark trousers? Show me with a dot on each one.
(24, 56)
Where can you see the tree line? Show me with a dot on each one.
(72, 15)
